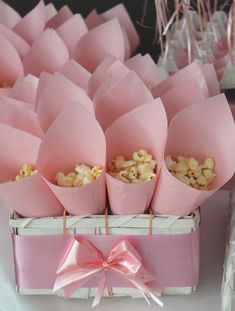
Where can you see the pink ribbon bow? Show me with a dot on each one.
(82, 261)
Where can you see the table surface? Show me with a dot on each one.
(207, 298)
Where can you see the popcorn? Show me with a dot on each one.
(139, 169)
(82, 175)
(26, 171)
(4, 85)
(190, 172)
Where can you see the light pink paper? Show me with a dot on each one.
(144, 127)
(180, 97)
(121, 13)
(19, 43)
(10, 63)
(211, 79)
(127, 44)
(25, 89)
(109, 66)
(98, 43)
(182, 76)
(62, 16)
(32, 25)
(4, 92)
(29, 197)
(48, 53)
(75, 137)
(93, 19)
(200, 130)
(76, 73)
(59, 92)
(50, 11)
(114, 99)
(72, 30)
(146, 69)
(17, 103)
(8, 16)
(20, 117)
(42, 83)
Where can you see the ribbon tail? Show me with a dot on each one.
(100, 290)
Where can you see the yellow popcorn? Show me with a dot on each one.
(193, 164)
(181, 177)
(208, 174)
(96, 171)
(83, 169)
(170, 164)
(63, 180)
(209, 163)
(181, 168)
(138, 169)
(87, 180)
(26, 171)
(182, 159)
(201, 181)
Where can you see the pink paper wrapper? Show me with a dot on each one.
(4, 92)
(10, 63)
(192, 71)
(32, 25)
(29, 197)
(42, 83)
(81, 141)
(146, 69)
(8, 16)
(59, 92)
(143, 128)
(115, 98)
(60, 17)
(76, 73)
(17, 103)
(93, 19)
(25, 89)
(192, 134)
(98, 43)
(211, 79)
(67, 31)
(50, 11)
(110, 66)
(19, 43)
(20, 117)
(180, 97)
(48, 53)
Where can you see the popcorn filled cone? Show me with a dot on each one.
(146, 69)
(142, 128)
(76, 73)
(32, 25)
(192, 71)
(110, 66)
(115, 97)
(30, 197)
(107, 39)
(59, 92)
(48, 53)
(60, 17)
(8, 16)
(75, 137)
(192, 134)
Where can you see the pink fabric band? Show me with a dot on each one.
(172, 259)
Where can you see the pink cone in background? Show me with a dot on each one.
(48, 53)
(200, 130)
(60, 17)
(8, 16)
(58, 93)
(115, 97)
(93, 19)
(42, 83)
(50, 11)
(75, 137)
(16, 103)
(98, 43)
(142, 128)
(36, 200)
(211, 79)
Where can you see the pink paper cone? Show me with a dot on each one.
(220, 73)
(93, 19)
(50, 11)
(32, 25)
(127, 45)
(221, 62)
(192, 71)
(211, 79)
(76, 73)
(42, 83)
(48, 53)
(113, 100)
(16, 103)
(144, 127)
(110, 66)
(59, 92)
(8, 16)
(4, 92)
(67, 33)
(29, 197)
(146, 69)
(20, 117)
(121, 13)
(25, 89)
(192, 133)
(10, 63)
(61, 17)
(20, 44)
(75, 137)
(98, 43)
(180, 97)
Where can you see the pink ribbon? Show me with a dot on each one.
(82, 261)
